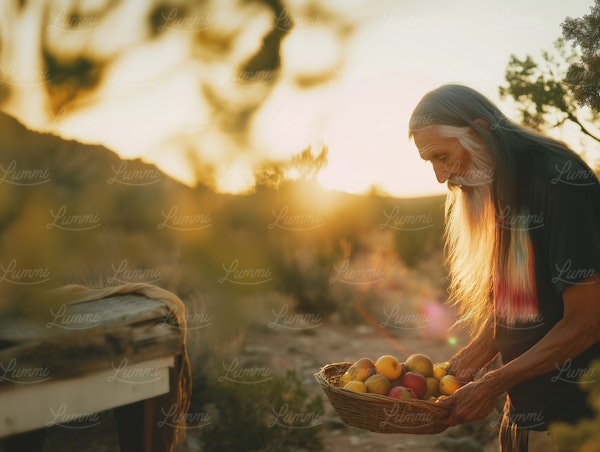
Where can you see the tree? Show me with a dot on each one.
(583, 77)
(545, 97)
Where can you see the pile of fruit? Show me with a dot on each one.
(417, 378)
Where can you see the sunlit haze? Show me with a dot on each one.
(349, 79)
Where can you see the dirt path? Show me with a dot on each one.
(305, 351)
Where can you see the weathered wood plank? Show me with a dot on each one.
(127, 329)
(57, 319)
(64, 401)
(82, 353)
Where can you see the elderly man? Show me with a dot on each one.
(523, 252)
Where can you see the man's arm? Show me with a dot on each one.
(476, 354)
(578, 330)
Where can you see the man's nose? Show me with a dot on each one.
(441, 172)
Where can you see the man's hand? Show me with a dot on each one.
(472, 402)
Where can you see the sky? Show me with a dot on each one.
(372, 60)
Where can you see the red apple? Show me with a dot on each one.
(401, 392)
(416, 382)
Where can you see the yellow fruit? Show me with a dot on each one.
(344, 379)
(433, 388)
(356, 386)
(449, 384)
(441, 370)
(421, 364)
(361, 369)
(389, 366)
(378, 384)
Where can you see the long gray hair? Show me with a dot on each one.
(479, 238)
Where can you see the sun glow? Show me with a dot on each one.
(349, 77)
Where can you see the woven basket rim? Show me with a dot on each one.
(379, 413)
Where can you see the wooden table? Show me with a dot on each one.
(74, 360)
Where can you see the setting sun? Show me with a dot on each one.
(350, 83)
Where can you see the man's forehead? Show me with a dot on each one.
(428, 140)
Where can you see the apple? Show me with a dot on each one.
(378, 384)
(449, 384)
(433, 388)
(356, 386)
(421, 364)
(402, 392)
(416, 382)
(441, 370)
(344, 379)
(389, 366)
(361, 369)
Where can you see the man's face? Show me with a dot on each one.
(451, 161)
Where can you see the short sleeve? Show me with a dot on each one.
(570, 215)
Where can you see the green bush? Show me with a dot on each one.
(269, 414)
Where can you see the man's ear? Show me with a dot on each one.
(483, 123)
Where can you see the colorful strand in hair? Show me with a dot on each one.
(514, 288)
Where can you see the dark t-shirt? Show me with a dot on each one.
(564, 228)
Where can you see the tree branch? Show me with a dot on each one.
(574, 118)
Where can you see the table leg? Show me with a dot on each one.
(29, 441)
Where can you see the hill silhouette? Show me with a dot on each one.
(78, 213)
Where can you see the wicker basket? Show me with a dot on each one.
(377, 413)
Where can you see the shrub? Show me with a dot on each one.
(271, 414)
